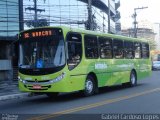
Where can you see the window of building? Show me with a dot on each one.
(145, 50)
(74, 44)
(105, 45)
(137, 50)
(118, 49)
(9, 16)
(5, 50)
(128, 50)
(91, 46)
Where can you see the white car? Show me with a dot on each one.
(156, 65)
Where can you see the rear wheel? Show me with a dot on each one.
(133, 79)
(90, 86)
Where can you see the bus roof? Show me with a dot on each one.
(69, 29)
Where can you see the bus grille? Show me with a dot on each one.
(45, 84)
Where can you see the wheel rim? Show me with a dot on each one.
(89, 86)
(133, 79)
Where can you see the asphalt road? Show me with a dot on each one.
(142, 99)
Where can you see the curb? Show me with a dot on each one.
(13, 96)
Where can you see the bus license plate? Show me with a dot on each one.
(37, 87)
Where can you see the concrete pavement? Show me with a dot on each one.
(9, 90)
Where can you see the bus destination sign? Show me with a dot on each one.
(40, 33)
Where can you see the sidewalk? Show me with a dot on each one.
(9, 90)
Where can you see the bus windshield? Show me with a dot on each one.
(42, 52)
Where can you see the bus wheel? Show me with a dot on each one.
(133, 79)
(90, 86)
(52, 95)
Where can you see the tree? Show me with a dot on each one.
(152, 44)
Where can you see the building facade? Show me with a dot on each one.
(157, 37)
(9, 28)
(9, 14)
(16, 15)
(84, 14)
(143, 33)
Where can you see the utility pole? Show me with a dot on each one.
(135, 20)
(90, 19)
(36, 10)
(21, 21)
(103, 21)
(109, 14)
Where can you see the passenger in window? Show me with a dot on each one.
(76, 57)
(119, 54)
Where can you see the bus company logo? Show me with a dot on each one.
(100, 66)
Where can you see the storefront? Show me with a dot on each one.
(8, 58)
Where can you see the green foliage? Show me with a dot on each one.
(152, 44)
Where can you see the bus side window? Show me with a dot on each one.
(137, 49)
(158, 57)
(145, 50)
(74, 44)
(128, 50)
(105, 47)
(118, 49)
(91, 47)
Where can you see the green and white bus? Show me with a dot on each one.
(62, 59)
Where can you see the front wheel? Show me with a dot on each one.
(90, 86)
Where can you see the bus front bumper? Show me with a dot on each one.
(33, 86)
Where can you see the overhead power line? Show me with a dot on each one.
(36, 10)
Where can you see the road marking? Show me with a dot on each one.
(60, 113)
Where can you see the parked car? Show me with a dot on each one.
(156, 65)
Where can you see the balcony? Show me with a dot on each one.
(117, 4)
(117, 16)
(102, 5)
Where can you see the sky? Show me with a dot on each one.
(151, 14)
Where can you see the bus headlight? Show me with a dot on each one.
(60, 77)
(19, 78)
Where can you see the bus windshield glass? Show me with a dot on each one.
(41, 50)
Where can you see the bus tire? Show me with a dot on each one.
(52, 95)
(90, 86)
(133, 79)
